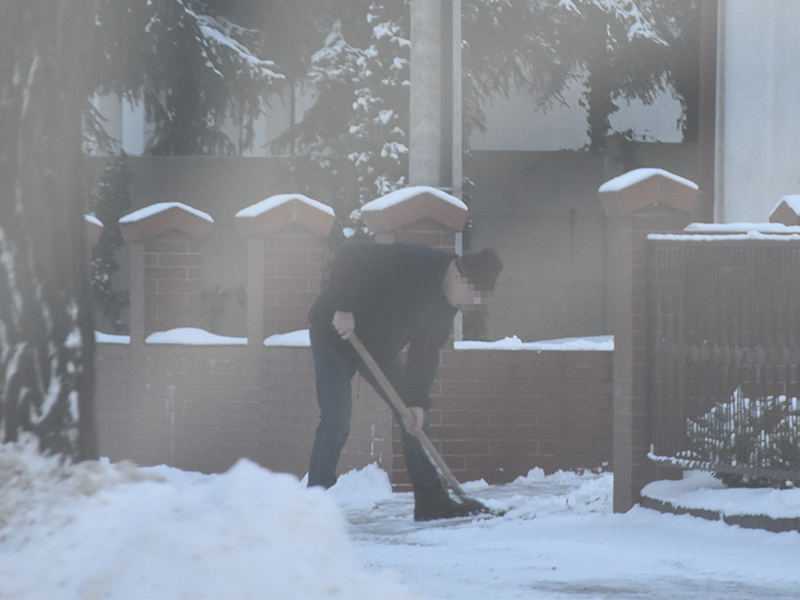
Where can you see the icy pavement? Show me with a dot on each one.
(560, 540)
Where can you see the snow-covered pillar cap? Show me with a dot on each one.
(409, 205)
(286, 254)
(641, 188)
(94, 229)
(278, 212)
(151, 221)
(787, 211)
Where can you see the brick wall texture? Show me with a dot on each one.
(294, 259)
(497, 413)
(202, 408)
(426, 231)
(172, 280)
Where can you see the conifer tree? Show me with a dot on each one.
(46, 332)
(194, 70)
(110, 202)
(352, 143)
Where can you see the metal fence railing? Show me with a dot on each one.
(725, 352)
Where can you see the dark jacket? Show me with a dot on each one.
(395, 294)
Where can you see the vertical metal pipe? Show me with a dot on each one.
(457, 170)
(457, 145)
(425, 110)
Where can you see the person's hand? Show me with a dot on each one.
(415, 420)
(344, 324)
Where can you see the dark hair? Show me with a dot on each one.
(481, 268)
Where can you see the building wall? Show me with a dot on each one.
(517, 122)
(541, 211)
(758, 113)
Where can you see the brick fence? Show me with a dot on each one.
(203, 407)
(497, 413)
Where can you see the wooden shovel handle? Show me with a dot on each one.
(402, 410)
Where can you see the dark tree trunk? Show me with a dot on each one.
(46, 332)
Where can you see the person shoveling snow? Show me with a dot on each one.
(390, 296)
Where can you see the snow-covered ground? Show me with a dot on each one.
(97, 530)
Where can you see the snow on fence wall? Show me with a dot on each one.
(200, 402)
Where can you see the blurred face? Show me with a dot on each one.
(457, 289)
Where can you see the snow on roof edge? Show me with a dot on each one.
(710, 237)
(402, 194)
(110, 338)
(732, 231)
(741, 227)
(635, 176)
(592, 343)
(294, 338)
(269, 203)
(792, 201)
(153, 209)
(192, 336)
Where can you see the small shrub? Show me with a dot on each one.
(744, 432)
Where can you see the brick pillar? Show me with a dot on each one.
(418, 214)
(165, 277)
(423, 215)
(286, 254)
(637, 203)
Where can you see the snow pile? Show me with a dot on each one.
(570, 493)
(535, 494)
(96, 530)
(362, 488)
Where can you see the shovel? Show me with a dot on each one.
(401, 408)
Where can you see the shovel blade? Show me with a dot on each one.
(476, 507)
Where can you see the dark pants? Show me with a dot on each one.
(334, 373)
